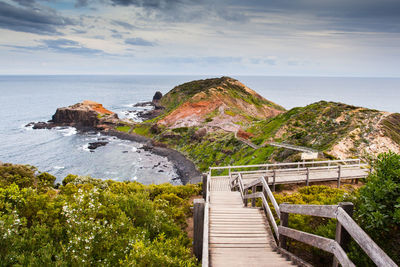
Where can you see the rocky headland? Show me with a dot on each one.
(88, 115)
(221, 121)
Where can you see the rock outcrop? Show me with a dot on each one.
(85, 115)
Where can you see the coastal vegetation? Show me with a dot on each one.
(87, 221)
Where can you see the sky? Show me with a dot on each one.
(203, 37)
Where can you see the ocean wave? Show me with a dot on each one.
(58, 167)
(67, 131)
(85, 147)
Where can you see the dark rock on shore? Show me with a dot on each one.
(153, 113)
(95, 145)
(40, 125)
(149, 114)
(143, 104)
(157, 96)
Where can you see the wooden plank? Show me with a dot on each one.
(222, 245)
(327, 211)
(253, 195)
(377, 255)
(323, 243)
(320, 242)
(238, 250)
(233, 240)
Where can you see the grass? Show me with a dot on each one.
(124, 128)
(391, 126)
(142, 129)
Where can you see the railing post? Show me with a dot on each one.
(204, 187)
(198, 225)
(245, 201)
(253, 200)
(308, 176)
(339, 174)
(284, 222)
(273, 181)
(342, 236)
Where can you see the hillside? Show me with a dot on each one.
(214, 103)
(337, 129)
(207, 121)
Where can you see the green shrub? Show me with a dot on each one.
(378, 211)
(92, 222)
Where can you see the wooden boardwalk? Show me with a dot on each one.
(315, 175)
(227, 233)
(238, 235)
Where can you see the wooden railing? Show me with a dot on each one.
(201, 208)
(296, 164)
(345, 227)
(307, 174)
(205, 257)
(291, 166)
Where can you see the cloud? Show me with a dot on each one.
(202, 60)
(123, 24)
(69, 46)
(25, 2)
(138, 42)
(149, 3)
(37, 20)
(81, 3)
(60, 45)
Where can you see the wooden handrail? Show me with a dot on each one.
(205, 256)
(377, 255)
(362, 165)
(326, 244)
(327, 211)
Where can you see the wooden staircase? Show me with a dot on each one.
(238, 235)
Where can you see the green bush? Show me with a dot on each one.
(378, 211)
(91, 222)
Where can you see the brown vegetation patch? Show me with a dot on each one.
(97, 107)
(244, 135)
(190, 113)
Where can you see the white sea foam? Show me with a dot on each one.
(58, 167)
(67, 131)
(85, 147)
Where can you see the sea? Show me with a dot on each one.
(63, 151)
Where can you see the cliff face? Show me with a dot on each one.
(223, 103)
(87, 114)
